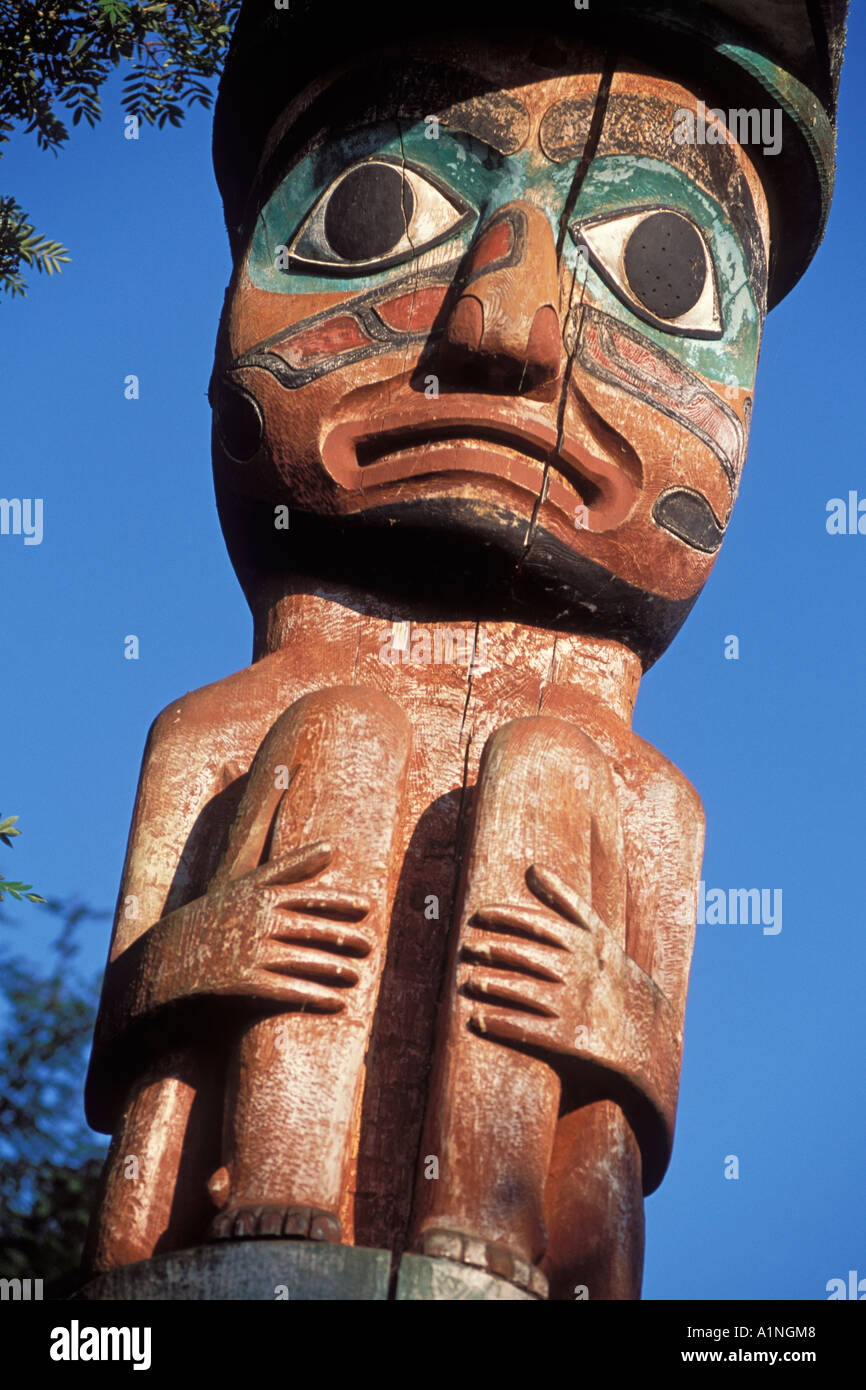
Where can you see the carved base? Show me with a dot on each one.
(422, 1278)
(300, 1270)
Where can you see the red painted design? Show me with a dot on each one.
(661, 382)
(413, 312)
(339, 334)
(647, 361)
(494, 245)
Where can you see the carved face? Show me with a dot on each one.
(507, 307)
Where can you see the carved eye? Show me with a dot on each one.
(375, 215)
(660, 266)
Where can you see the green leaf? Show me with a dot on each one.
(116, 11)
(58, 57)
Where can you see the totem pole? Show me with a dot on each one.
(404, 991)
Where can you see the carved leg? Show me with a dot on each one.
(151, 1193)
(543, 847)
(594, 1207)
(295, 1078)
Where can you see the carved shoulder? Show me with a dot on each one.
(664, 829)
(197, 749)
(190, 756)
(669, 784)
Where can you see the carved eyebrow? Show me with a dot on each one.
(497, 120)
(565, 127)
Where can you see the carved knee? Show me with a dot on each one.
(341, 755)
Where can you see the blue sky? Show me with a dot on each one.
(774, 741)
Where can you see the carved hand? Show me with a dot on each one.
(527, 966)
(553, 979)
(269, 935)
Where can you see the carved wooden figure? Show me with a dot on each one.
(415, 905)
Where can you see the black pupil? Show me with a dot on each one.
(665, 265)
(368, 213)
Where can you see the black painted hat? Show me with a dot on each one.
(734, 53)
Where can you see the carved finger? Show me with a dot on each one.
(526, 996)
(319, 934)
(297, 864)
(535, 961)
(301, 963)
(549, 888)
(527, 1029)
(302, 995)
(329, 903)
(529, 922)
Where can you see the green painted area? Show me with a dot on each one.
(423, 1278)
(487, 181)
(250, 1271)
(623, 183)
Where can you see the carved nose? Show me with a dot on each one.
(504, 331)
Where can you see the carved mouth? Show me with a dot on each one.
(396, 443)
(405, 450)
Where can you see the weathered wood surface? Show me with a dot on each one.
(405, 926)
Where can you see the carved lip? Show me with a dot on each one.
(457, 438)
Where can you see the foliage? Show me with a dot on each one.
(10, 886)
(54, 59)
(49, 1160)
(19, 241)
